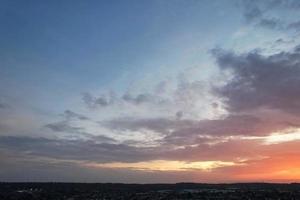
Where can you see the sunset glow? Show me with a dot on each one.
(164, 165)
(292, 135)
(150, 91)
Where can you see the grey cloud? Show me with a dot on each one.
(77, 132)
(70, 115)
(290, 4)
(88, 99)
(161, 125)
(139, 99)
(90, 151)
(252, 11)
(76, 149)
(234, 149)
(101, 101)
(63, 126)
(261, 81)
(191, 132)
(271, 23)
(161, 87)
(186, 93)
(256, 12)
(230, 125)
(3, 105)
(210, 131)
(179, 114)
(13, 166)
(282, 41)
(256, 8)
(102, 138)
(111, 99)
(294, 25)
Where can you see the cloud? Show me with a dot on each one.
(13, 166)
(179, 114)
(111, 99)
(240, 118)
(271, 23)
(263, 13)
(233, 150)
(175, 132)
(162, 125)
(260, 98)
(261, 81)
(4, 105)
(275, 168)
(138, 99)
(184, 99)
(214, 131)
(71, 115)
(63, 126)
(252, 13)
(72, 132)
(294, 25)
(102, 101)
(75, 149)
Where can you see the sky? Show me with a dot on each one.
(150, 91)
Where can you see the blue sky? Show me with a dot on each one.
(65, 48)
(121, 86)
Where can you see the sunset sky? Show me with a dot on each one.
(150, 91)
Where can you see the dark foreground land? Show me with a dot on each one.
(81, 191)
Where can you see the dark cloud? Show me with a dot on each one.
(195, 132)
(71, 115)
(179, 114)
(139, 99)
(258, 13)
(103, 153)
(63, 126)
(232, 124)
(4, 105)
(101, 101)
(13, 166)
(252, 11)
(283, 41)
(271, 23)
(261, 81)
(110, 99)
(161, 87)
(160, 125)
(77, 132)
(261, 97)
(214, 131)
(294, 25)
(89, 150)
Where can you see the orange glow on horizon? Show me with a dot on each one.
(165, 165)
